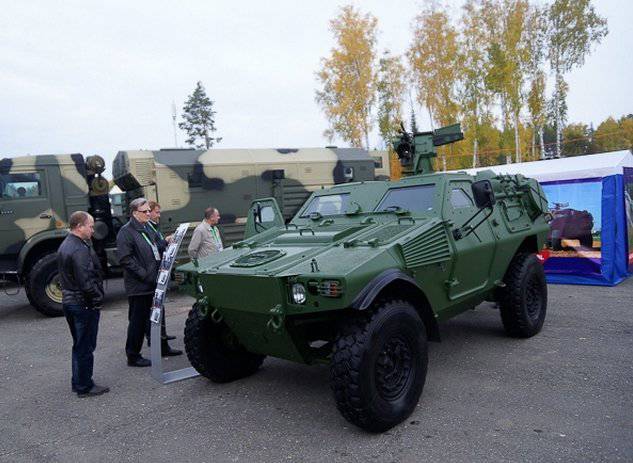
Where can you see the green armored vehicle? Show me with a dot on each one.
(363, 273)
(39, 193)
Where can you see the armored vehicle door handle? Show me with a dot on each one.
(44, 215)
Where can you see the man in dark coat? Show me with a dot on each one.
(140, 258)
(82, 299)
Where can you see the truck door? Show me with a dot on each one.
(262, 215)
(25, 210)
(474, 253)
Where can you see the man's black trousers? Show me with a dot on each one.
(84, 325)
(139, 324)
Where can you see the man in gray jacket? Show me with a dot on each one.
(82, 299)
(206, 237)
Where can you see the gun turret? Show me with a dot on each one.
(415, 151)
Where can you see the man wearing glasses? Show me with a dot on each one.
(140, 258)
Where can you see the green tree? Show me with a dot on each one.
(348, 77)
(577, 140)
(474, 96)
(433, 57)
(609, 136)
(390, 88)
(573, 28)
(199, 119)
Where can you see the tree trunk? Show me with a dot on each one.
(541, 143)
(517, 143)
(533, 142)
(475, 160)
(557, 109)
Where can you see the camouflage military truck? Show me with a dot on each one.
(363, 273)
(40, 192)
(185, 182)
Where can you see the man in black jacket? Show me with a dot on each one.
(82, 299)
(140, 257)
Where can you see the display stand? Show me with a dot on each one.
(169, 257)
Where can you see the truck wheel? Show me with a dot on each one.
(215, 352)
(586, 241)
(43, 288)
(523, 301)
(379, 366)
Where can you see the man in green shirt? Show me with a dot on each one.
(206, 237)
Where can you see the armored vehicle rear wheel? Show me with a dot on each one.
(214, 352)
(44, 290)
(379, 366)
(523, 301)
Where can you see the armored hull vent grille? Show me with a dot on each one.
(430, 247)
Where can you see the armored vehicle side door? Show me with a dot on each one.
(262, 215)
(475, 252)
(25, 210)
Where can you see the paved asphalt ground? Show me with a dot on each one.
(564, 395)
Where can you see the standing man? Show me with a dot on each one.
(140, 257)
(82, 299)
(206, 237)
(162, 242)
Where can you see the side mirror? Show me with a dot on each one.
(257, 213)
(483, 194)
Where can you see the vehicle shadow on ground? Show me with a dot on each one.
(278, 383)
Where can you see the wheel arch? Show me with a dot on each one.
(37, 247)
(394, 283)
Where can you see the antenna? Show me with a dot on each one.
(173, 118)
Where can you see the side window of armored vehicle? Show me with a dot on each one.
(460, 199)
(327, 205)
(419, 198)
(268, 214)
(21, 185)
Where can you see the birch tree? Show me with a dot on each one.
(390, 87)
(433, 57)
(348, 77)
(573, 29)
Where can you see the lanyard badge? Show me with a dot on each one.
(152, 245)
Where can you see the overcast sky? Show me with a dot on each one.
(99, 77)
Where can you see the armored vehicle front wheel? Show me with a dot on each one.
(43, 288)
(379, 366)
(215, 352)
(523, 300)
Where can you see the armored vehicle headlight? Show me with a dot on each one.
(298, 293)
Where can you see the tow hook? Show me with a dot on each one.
(277, 316)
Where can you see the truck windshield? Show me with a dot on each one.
(420, 198)
(327, 205)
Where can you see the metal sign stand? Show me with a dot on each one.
(158, 310)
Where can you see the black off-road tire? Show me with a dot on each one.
(42, 290)
(214, 352)
(523, 301)
(586, 241)
(379, 364)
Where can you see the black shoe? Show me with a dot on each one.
(170, 338)
(139, 362)
(169, 352)
(96, 390)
